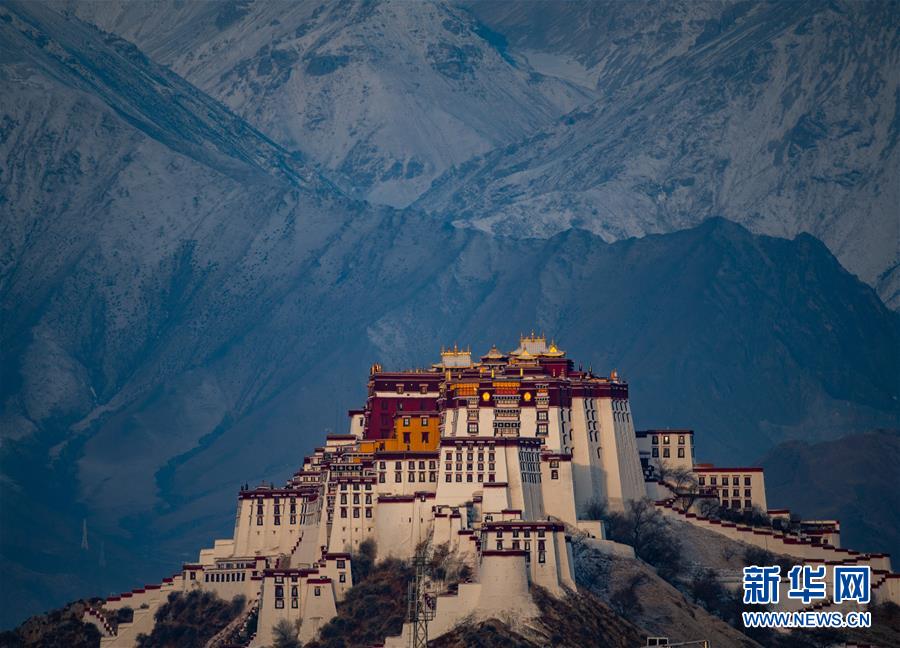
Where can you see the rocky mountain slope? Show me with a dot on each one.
(331, 79)
(851, 478)
(782, 116)
(185, 304)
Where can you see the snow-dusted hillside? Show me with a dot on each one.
(387, 95)
(782, 116)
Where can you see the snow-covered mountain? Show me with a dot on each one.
(783, 116)
(384, 95)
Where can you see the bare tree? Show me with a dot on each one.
(686, 488)
(710, 507)
(285, 634)
(644, 528)
(663, 471)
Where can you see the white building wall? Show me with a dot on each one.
(401, 524)
(558, 494)
(504, 586)
(735, 492)
(620, 463)
(257, 533)
(589, 481)
(269, 615)
(318, 607)
(458, 490)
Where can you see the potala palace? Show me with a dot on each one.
(502, 459)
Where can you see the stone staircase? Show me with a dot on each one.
(96, 618)
(227, 636)
(144, 602)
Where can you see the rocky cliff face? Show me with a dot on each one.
(185, 303)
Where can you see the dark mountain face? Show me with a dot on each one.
(184, 306)
(852, 478)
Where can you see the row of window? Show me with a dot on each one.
(411, 477)
(525, 532)
(533, 477)
(470, 477)
(542, 555)
(735, 480)
(276, 521)
(666, 453)
(501, 427)
(356, 498)
(736, 492)
(226, 577)
(277, 507)
(356, 485)
(666, 439)
(356, 513)
(407, 421)
(469, 455)
(423, 389)
(398, 465)
(469, 466)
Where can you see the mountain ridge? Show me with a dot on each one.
(777, 115)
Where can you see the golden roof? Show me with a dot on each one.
(493, 354)
(554, 351)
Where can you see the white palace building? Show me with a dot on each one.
(502, 460)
